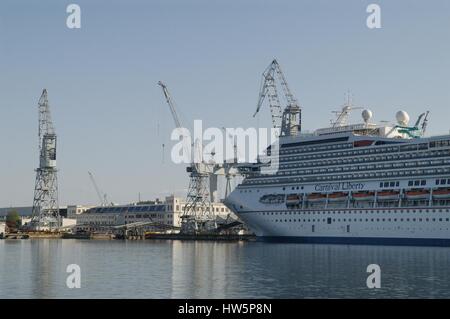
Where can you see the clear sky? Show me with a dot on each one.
(111, 117)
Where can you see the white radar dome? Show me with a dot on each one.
(402, 118)
(366, 115)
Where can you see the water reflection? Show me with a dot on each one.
(176, 269)
(198, 269)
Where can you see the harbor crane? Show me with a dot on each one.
(171, 105)
(198, 215)
(228, 168)
(45, 212)
(102, 196)
(288, 119)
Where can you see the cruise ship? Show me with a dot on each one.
(359, 183)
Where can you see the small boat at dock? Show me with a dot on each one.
(77, 235)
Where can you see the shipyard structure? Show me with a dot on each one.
(150, 216)
(198, 213)
(162, 216)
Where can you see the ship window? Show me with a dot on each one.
(397, 184)
(423, 182)
(416, 183)
(442, 181)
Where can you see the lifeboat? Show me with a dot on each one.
(362, 143)
(388, 195)
(338, 196)
(417, 194)
(293, 199)
(272, 199)
(441, 193)
(363, 196)
(316, 197)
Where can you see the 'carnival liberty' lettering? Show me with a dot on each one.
(347, 186)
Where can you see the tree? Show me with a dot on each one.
(13, 221)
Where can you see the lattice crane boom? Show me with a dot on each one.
(171, 104)
(198, 215)
(45, 212)
(102, 196)
(287, 119)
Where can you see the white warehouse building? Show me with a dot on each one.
(166, 213)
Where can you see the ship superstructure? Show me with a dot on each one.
(362, 183)
(352, 183)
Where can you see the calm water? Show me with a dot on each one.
(175, 269)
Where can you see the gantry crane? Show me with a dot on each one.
(288, 119)
(45, 212)
(198, 215)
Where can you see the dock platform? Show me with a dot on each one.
(204, 237)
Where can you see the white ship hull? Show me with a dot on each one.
(403, 226)
(358, 231)
(417, 219)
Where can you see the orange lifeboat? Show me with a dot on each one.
(293, 199)
(338, 196)
(316, 197)
(418, 194)
(388, 195)
(363, 196)
(441, 193)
